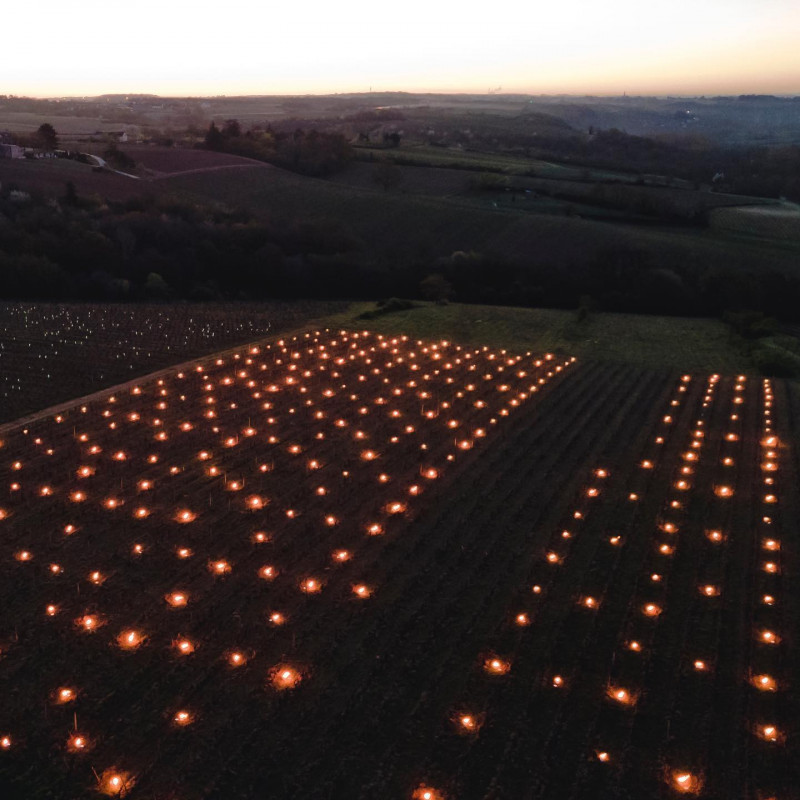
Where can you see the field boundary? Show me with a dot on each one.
(166, 175)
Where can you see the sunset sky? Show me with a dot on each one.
(571, 46)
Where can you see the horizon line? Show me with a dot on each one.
(439, 93)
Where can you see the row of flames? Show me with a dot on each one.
(682, 780)
(310, 383)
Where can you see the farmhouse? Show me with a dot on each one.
(11, 151)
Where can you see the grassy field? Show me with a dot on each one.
(780, 221)
(455, 158)
(520, 194)
(636, 340)
(395, 224)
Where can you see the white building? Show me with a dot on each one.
(11, 151)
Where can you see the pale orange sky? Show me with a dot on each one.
(680, 47)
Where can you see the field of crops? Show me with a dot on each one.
(52, 352)
(348, 565)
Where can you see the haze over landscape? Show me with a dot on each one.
(680, 47)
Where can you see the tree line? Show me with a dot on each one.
(307, 152)
(157, 248)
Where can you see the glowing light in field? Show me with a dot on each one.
(769, 637)
(685, 782)
(468, 723)
(130, 639)
(184, 647)
(284, 676)
(114, 782)
(254, 502)
(183, 718)
(496, 666)
(769, 733)
(77, 743)
(620, 695)
(66, 694)
(267, 572)
(424, 792)
(177, 599)
(89, 622)
(765, 683)
(236, 658)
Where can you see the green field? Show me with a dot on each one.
(778, 221)
(397, 225)
(474, 160)
(637, 340)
